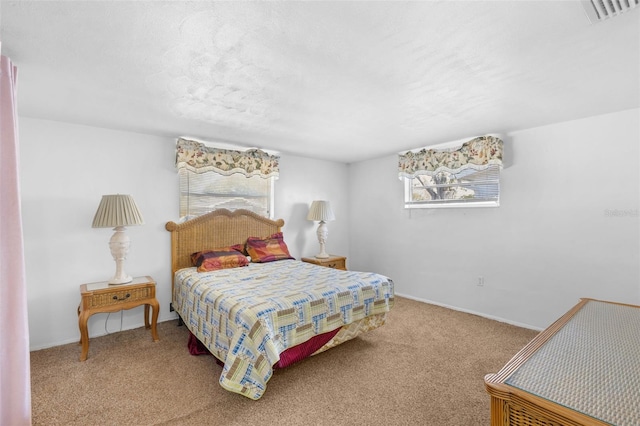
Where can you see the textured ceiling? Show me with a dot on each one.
(343, 81)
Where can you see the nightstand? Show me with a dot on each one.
(335, 262)
(102, 297)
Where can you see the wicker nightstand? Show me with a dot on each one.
(335, 262)
(102, 297)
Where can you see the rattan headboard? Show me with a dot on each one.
(219, 228)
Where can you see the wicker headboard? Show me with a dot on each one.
(219, 228)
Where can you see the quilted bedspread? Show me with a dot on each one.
(247, 316)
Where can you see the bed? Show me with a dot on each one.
(259, 316)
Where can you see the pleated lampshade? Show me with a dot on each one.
(320, 211)
(117, 210)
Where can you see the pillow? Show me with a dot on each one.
(263, 250)
(221, 258)
(196, 259)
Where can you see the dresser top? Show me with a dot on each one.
(105, 284)
(591, 364)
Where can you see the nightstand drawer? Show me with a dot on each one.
(118, 297)
(335, 262)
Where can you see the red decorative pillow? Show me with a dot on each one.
(221, 258)
(263, 250)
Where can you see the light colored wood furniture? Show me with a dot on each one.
(101, 297)
(335, 262)
(582, 370)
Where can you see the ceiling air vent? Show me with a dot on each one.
(600, 10)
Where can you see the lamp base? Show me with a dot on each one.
(120, 281)
(322, 233)
(119, 246)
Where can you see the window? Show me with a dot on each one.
(468, 176)
(469, 187)
(214, 178)
(201, 193)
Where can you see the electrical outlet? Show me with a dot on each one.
(480, 281)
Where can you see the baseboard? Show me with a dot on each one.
(169, 317)
(468, 311)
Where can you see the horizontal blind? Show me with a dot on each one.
(464, 188)
(201, 193)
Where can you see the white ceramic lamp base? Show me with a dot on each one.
(119, 245)
(323, 233)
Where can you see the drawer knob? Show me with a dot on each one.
(126, 296)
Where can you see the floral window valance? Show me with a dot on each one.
(199, 158)
(478, 154)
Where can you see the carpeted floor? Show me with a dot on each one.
(425, 366)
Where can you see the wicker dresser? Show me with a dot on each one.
(582, 370)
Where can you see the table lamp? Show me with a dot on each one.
(118, 211)
(321, 211)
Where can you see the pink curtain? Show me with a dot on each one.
(15, 384)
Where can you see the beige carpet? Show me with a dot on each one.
(424, 367)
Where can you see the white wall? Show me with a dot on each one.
(303, 180)
(66, 168)
(546, 246)
(552, 241)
